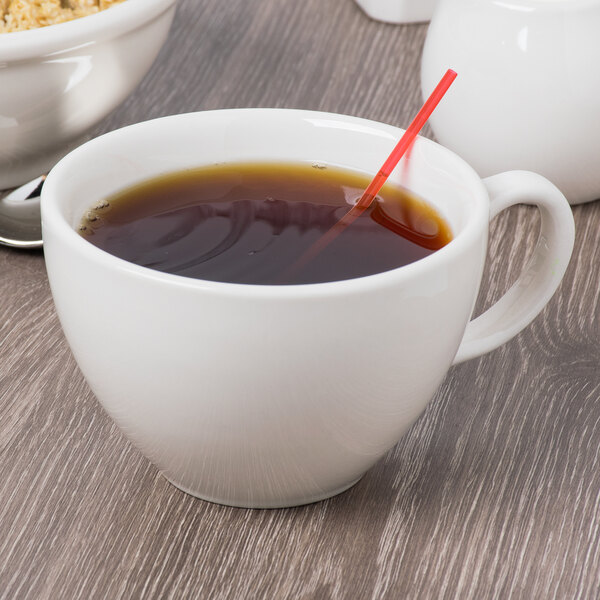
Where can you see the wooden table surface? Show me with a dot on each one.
(495, 491)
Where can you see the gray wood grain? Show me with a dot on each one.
(495, 491)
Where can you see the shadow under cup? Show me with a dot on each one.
(261, 396)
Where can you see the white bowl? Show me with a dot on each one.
(399, 11)
(61, 80)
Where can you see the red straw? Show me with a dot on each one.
(388, 166)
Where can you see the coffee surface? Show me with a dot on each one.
(251, 223)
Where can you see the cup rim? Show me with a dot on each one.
(53, 219)
(61, 37)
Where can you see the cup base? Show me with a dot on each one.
(275, 503)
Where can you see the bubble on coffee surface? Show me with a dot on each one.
(102, 205)
(93, 218)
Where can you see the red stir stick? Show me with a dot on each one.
(406, 140)
(388, 166)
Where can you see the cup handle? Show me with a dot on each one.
(544, 271)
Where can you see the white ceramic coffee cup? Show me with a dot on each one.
(267, 396)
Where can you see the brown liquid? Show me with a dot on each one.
(250, 223)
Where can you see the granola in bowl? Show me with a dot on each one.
(20, 15)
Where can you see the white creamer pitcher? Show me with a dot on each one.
(528, 87)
